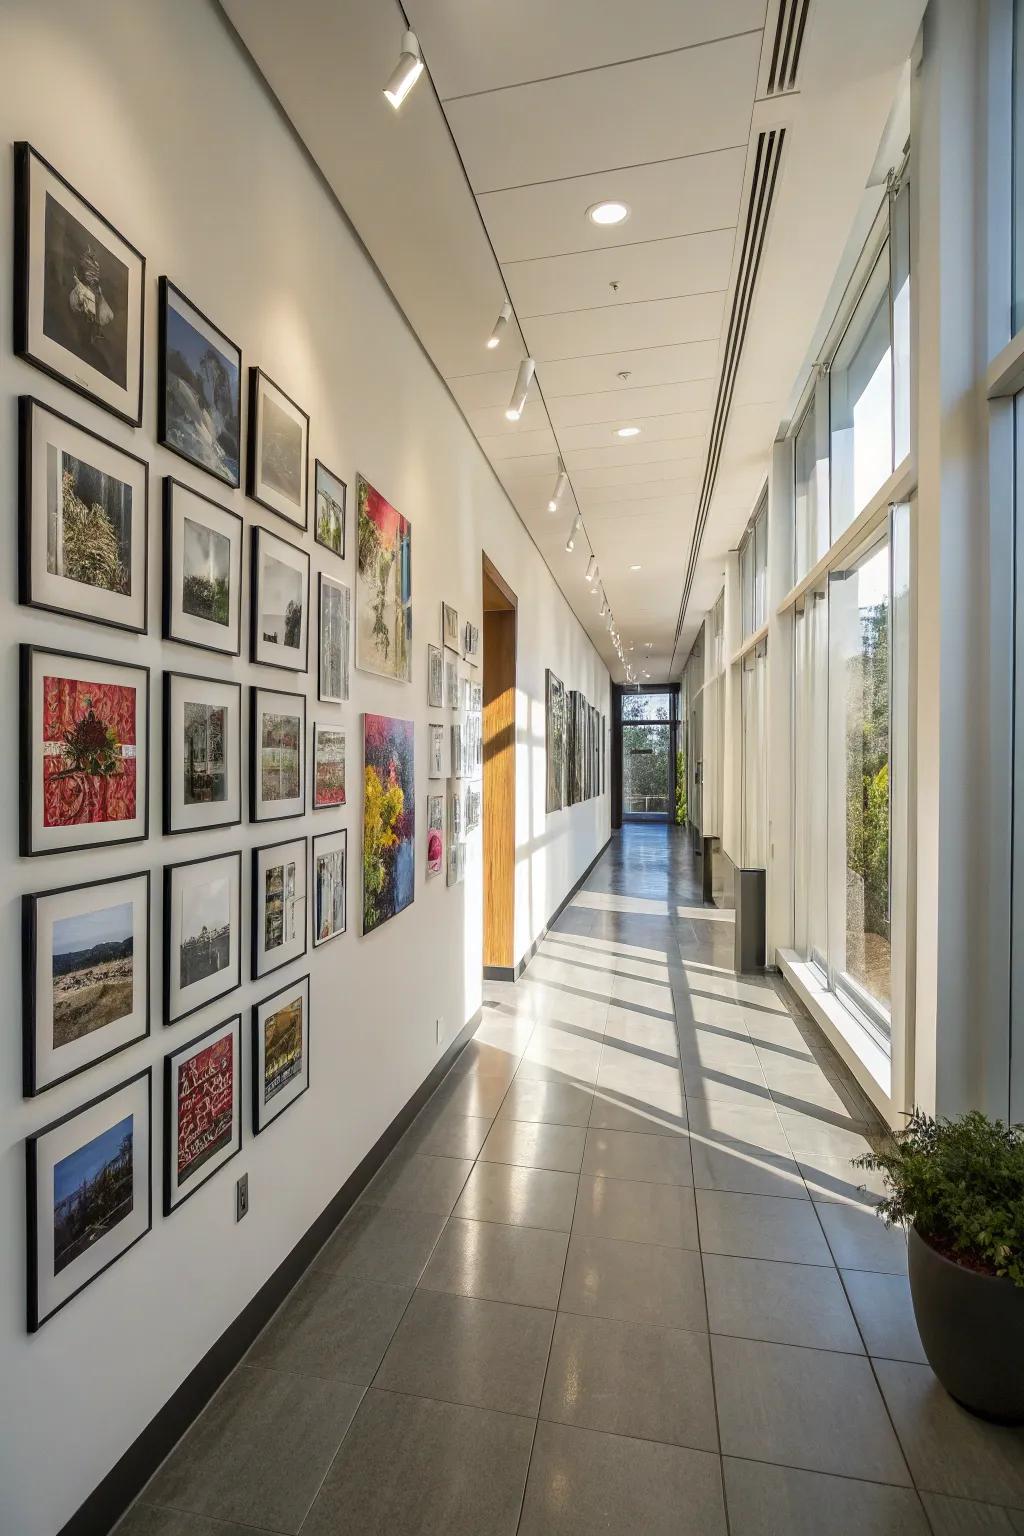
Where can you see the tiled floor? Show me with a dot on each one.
(618, 1277)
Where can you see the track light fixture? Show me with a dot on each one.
(570, 543)
(505, 315)
(524, 378)
(406, 72)
(560, 485)
(592, 568)
(604, 603)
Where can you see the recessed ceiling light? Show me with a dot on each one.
(634, 567)
(627, 431)
(649, 645)
(608, 213)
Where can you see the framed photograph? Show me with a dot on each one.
(202, 571)
(277, 754)
(458, 758)
(83, 522)
(84, 976)
(88, 1185)
(555, 742)
(456, 827)
(476, 696)
(389, 819)
(471, 644)
(329, 510)
(383, 586)
(79, 290)
(435, 761)
(278, 468)
(475, 743)
(450, 628)
(330, 885)
(451, 683)
(335, 632)
(278, 910)
(199, 400)
(202, 1109)
(202, 753)
(328, 766)
(435, 677)
(202, 933)
(435, 834)
(456, 863)
(472, 809)
(465, 693)
(279, 613)
(280, 1052)
(84, 751)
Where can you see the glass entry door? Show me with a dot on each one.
(648, 755)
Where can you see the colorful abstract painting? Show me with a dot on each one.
(389, 818)
(206, 1101)
(383, 587)
(89, 764)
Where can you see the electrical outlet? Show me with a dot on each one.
(439, 1030)
(242, 1197)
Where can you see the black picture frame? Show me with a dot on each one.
(28, 792)
(169, 678)
(260, 1122)
(171, 487)
(36, 1317)
(28, 409)
(454, 644)
(166, 288)
(299, 699)
(257, 913)
(170, 872)
(327, 805)
(324, 578)
(24, 155)
(257, 548)
(258, 379)
(318, 465)
(171, 1058)
(323, 837)
(31, 902)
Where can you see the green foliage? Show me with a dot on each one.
(680, 789)
(91, 552)
(961, 1183)
(867, 768)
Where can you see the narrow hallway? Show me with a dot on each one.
(617, 1277)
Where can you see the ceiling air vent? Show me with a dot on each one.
(759, 206)
(789, 39)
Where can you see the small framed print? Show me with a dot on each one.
(202, 753)
(335, 640)
(330, 885)
(472, 809)
(435, 677)
(330, 493)
(88, 1185)
(476, 696)
(199, 403)
(451, 683)
(83, 522)
(202, 575)
(456, 863)
(455, 822)
(465, 692)
(79, 290)
(278, 468)
(277, 754)
(279, 616)
(84, 751)
(435, 834)
(450, 627)
(278, 910)
(202, 933)
(328, 767)
(85, 976)
(202, 1109)
(280, 1052)
(471, 644)
(458, 758)
(435, 759)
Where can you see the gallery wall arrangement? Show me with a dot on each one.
(575, 746)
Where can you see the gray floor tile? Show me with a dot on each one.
(443, 1133)
(635, 1283)
(535, 1144)
(859, 1240)
(582, 1482)
(260, 1451)
(804, 1408)
(950, 1450)
(782, 1303)
(410, 1466)
(375, 1243)
(742, 1149)
(553, 1103)
(420, 1183)
(803, 1086)
(148, 1520)
(836, 1180)
(821, 1131)
(885, 1313)
(740, 1085)
(782, 1501)
(962, 1517)
(522, 1265)
(619, 1109)
(631, 1379)
(487, 1059)
(665, 1214)
(471, 1093)
(520, 1197)
(464, 1350)
(760, 1227)
(332, 1325)
(643, 1159)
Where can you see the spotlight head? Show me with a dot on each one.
(591, 568)
(406, 72)
(494, 339)
(524, 378)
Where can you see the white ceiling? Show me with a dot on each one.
(546, 109)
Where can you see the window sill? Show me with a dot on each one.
(869, 1063)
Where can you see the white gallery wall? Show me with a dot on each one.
(152, 113)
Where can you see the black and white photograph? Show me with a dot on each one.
(278, 457)
(84, 976)
(278, 907)
(450, 627)
(202, 753)
(202, 1109)
(458, 754)
(330, 495)
(435, 756)
(280, 602)
(473, 802)
(89, 1176)
(280, 1052)
(435, 677)
(277, 754)
(199, 412)
(471, 643)
(202, 932)
(202, 571)
(79, 288)
(83, 521)
(330, 873)
(451, 682)
(335, 640)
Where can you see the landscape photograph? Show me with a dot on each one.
(93, 1190)
(335, 609)
(329, 892)
(383, 587)
(282, 1048)
(280, 908)
(281, 451)
(330, 510)
(280, 759)
(205, 731)
(205, 928)
(201, 391)
(280, 603)
(206, 572)
(93, 971)
(88, 525)
(328, 767)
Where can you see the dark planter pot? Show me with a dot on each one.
(972, 1329)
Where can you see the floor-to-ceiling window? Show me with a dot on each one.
(648, 754)
(752, 663)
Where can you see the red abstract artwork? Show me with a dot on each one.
(205, 1105)
(89, 756)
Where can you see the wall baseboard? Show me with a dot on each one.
(98, 1514)
(513, 972)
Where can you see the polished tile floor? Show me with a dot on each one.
(619, 1277)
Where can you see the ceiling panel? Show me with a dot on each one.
(611, 495)
(491, 421)
(634, 451)
(654, 429)
(657, 323)
(479, 391)
(653, 501)
(507, 446)
(654, 269)
(694, 361)
(687, 471)
(609, 405)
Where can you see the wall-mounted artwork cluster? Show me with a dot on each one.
(575, 746)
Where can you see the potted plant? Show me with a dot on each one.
(958, 1185)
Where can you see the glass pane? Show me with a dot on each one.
(646, 777)
(747, 586)
(860, 403)
(752, 760)
(816, 618)
(810, 470)
(900, 242)
(1018, 166)
(760, 569)
(647, 706)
